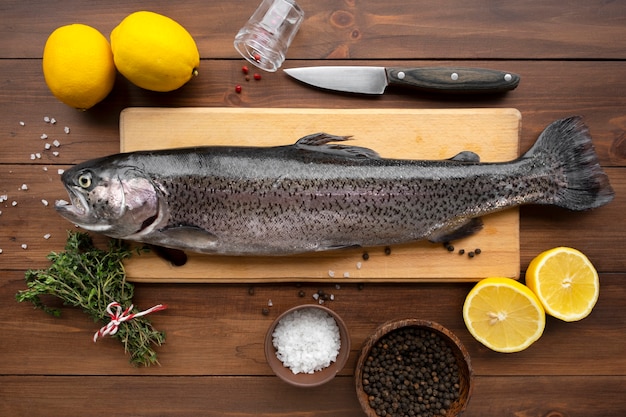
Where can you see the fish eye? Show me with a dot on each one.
(84, 180)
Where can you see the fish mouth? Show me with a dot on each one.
(76, 210)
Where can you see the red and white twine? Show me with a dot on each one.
(120, 316)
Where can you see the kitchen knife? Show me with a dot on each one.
(374, 80)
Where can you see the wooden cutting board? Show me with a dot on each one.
(393, 133)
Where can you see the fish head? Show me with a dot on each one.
(117, 201)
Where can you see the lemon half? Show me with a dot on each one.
(565, 282)
(503, 314)
(154, 52)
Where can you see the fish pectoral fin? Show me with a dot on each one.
(465, 156)
(189, 237)
(466, 229)
(319, 142)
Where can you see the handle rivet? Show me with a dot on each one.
(508, 77)
(401, 75)
(454, 76)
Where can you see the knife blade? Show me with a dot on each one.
(374, 80)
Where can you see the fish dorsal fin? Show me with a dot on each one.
(320, 142)
(465, 156)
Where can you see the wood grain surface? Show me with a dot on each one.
(572, 60)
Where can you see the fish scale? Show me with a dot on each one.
(317, 195)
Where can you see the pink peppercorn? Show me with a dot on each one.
(238, 89)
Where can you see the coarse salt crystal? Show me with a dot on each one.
(38, 155)
(3, 197)
(316, 296)
(45, 202)
(44, 136)
(53, 120)
(32, 156)
(45, 169)
(24, 246)
(359, 265)
(346, 275)
(47, 236)
(269, 303)
(22, 123)
(60, 171)
(14, 203)
(0, 250)
(66, 130)
(24, 187)
(47, 146)
(55, 153)
(331, 273)
(332, 297)
(56, 143)
(46, 119)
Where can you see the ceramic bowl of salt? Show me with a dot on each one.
(307, 345)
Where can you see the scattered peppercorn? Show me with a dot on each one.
(265, 311)
(461, 251)
(301, 293)
(450, 248)
(411, 372)
(387, 250)
(471, 254)
(477, 251)
(237, 89)
(245, 69)
(251, 290)
(247, 78)
(360, 286)
(366, 256)
(257, 76)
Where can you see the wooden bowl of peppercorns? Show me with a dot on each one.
(413, 367)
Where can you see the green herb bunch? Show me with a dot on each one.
(90, 278)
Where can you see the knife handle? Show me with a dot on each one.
(453, 80)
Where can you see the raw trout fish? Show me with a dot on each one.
(316, 195)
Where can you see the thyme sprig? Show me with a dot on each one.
(90, 278)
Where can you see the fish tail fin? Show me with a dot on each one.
(568, 147)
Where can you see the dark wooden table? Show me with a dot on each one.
(571, 56)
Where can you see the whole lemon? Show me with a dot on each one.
(78, 65)
(154, 52)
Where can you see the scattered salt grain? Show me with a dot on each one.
(316, 296)
(56, 143)
(32, 156)
(24, 246)
(346, 275)
(24, 187)
(45, 169)
(14, 203)
(359, 265)
(46, 119)
(53, 120)
(332, 297)
(66, 130)
(60, 171)
(45, 202)
(47, 146)
(269, 303)
(331, 273)
(307, 340)
(3, 198)
(47, 236)
(44, 136)
(38, 155)
(55, 153)
(0, 250)
(22, 123)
